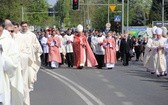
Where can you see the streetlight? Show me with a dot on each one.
(162, 12)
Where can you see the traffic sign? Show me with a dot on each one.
(31, 28)
(117, 18)
(108, 25)
(88, 21)
(112, 7)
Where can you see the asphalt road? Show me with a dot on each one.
(123, 85)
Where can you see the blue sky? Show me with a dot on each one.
(52, 2)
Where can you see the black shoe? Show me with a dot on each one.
(125, 64)
(99, 67)
(53, 67)
(110, 68)
(165, 74)
(80, 67)
(158, 75)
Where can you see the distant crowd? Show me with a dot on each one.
(108, 48)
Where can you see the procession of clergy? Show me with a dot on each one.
(21, 52)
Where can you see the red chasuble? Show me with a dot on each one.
(54, 53)
(110, 51)
(82, 52)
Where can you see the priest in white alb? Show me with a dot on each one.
(9, 64)
(149, 52)
(30, 59)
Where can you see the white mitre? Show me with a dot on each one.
(80, 28)
(154, 30)
(164, 30)
(159, 31)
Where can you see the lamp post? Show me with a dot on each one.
(162, 12)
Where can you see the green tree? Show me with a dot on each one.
(36, 12)
(10, 9)
(100, 18)
(139, 19)
(59, 8)
(156, 11)
(139, 12)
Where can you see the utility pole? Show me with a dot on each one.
(127, 15)
(22, 10)
(162, 12)
(53, 14)
(84, 13)
(88, 17)
(88, 21)
(122, 17)
(108, 12)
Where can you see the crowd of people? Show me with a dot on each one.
(76, 47)
(22, 52)
(156, 52)
(103, 50)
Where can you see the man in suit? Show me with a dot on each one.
(125, 48)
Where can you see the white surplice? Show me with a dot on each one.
(148, 56)
(159, 56)
(17, 91)
(30, 62)
(9, 64)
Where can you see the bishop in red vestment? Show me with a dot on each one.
(83, 54)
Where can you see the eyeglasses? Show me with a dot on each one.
(11, 31)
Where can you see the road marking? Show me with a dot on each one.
(119, 94)
(78, 86)
(97, 71)
(127, 103)
(110, 86)
(100, 75)
(87, 101)
(105, 80)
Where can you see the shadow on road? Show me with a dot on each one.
(137, 69)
